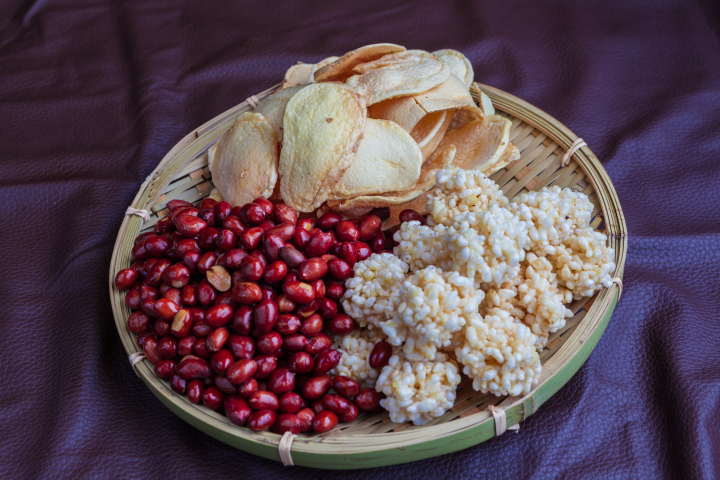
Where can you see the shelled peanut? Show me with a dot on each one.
(234, 306)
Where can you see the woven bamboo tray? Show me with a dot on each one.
(373, 440)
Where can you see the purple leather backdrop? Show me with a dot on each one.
(93, 93)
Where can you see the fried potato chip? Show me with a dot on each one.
(461, 66)
(452, 93)
(430, 131)
(465, 115)
(404, 111)
(342, 68)
(319, 65)
(245, 163)
(485, 103)
(363, 204)
(211, 155)
(428, 127)
(399, 74)
(387, 159)
(510, 154)
(273, 108)
(395, 58)
(298, 74)
(409, 111)
(480, 143)
(322, 125)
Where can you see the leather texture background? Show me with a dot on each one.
(93, 93)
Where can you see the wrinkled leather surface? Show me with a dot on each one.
(93, 93)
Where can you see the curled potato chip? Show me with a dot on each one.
(485, 103)
(319, 65)
(461, 66)
(387, 159)
(273, 108)
(398, 74)
(322, 125)
(298, 74)
(465, 115)
(430, 131)
(480, 143)
(510, 154)
(428, 127)
(245, 163)
(391, 59)
(409, 111)
(342, 68)
(452, 93)
(211, 155)
(404, 111)
(363, 204)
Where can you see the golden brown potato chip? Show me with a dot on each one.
(298, 74)
(452, 93)
(342, 68)
(461, 66)
(273, 108)
(485, 103)
(387, 159)
(319, 65)
(404, 111)
(465, 115)
(480, 143)
(391, 59)
(510, 154)
(410, 110)
(363, 204)
(428, 127)
(211, 155)
(428, 136)
(245, 163)
(322, 125)
(399, 74)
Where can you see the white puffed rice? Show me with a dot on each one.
(433, 306)
(584, 264)
(552, 214)
(418, 391)
(487, 246)
(499, 354)
(356, 348)
(458, 191)
(531, 258)
(420, 246)
(540, 296)
(371, 294)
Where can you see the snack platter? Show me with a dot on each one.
(370, 437)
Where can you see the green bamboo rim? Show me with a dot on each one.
(336, 452)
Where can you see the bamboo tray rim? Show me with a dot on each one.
(368, 450)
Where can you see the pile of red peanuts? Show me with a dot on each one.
(233, 306)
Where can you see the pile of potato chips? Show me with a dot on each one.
(368, 129)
